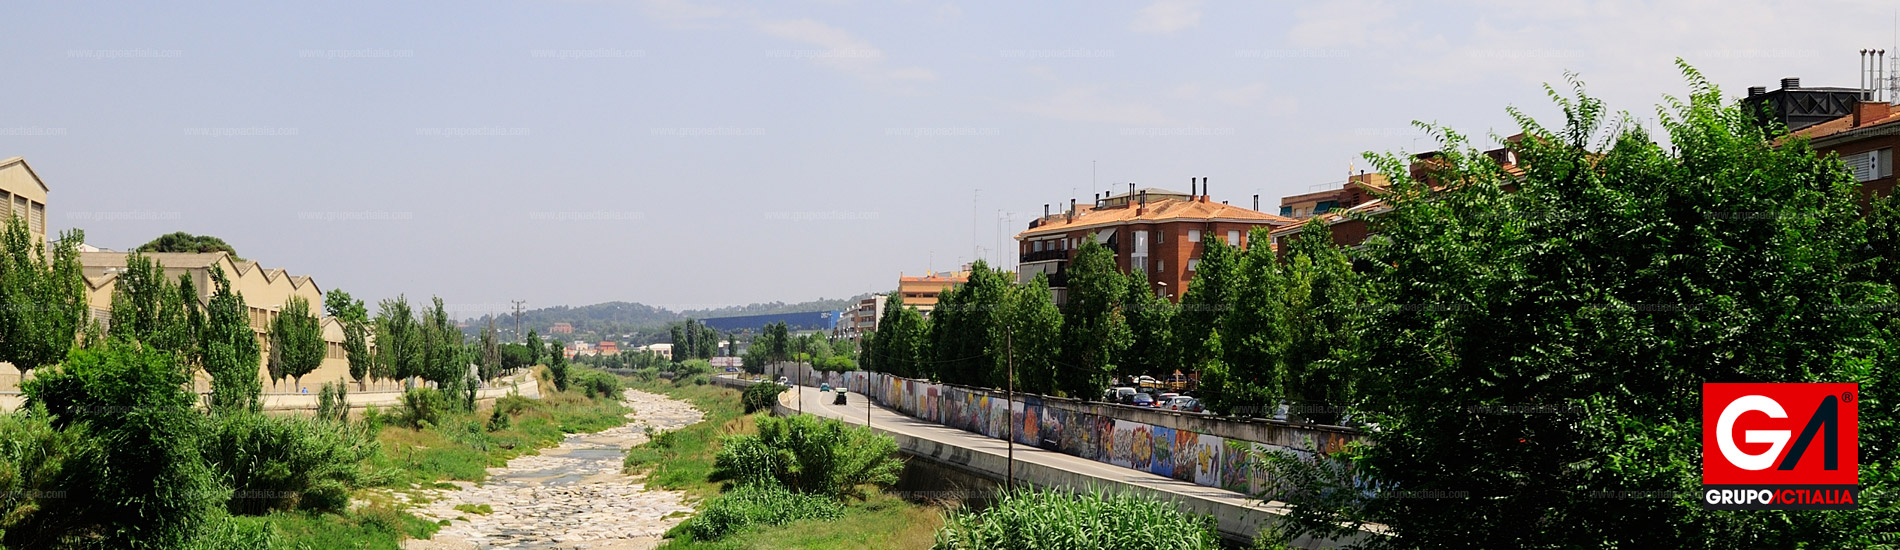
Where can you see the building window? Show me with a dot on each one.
(1286, 211)
(1325, 206)
(1161, 266)
(1037, 244)
(1194, 263)
(1233, 237)
(1159, 235)
(1871, 165)
(1138, 261)
(1194, 235)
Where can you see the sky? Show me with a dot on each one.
(698, 153)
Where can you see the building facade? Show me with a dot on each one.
(921, 293)
(1159, 232)
(1865, 140)
(22, 194)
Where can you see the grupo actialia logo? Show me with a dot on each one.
(1780, 447)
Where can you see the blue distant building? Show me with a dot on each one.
(810, 320)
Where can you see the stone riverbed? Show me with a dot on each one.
(570, 496)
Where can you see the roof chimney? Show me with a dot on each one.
(1191, 187)
(1256, 203)
(1757, 90)
(1131, 190)
(1869, 111)
(1204, 194)
(1071, 209)
(1790, 83)
(1045, 210)
(1098, 200)
(1143, 205)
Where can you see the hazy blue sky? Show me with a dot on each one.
(691, 154)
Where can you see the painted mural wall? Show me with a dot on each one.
(1203, 459)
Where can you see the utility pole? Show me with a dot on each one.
(518, 304)
(1010, 346)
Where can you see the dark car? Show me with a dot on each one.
(1141, 400)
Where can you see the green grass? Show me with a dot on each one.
(682, 459)
(881, 522)
(376, 527)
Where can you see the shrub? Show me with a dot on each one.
(1030, 519)
(761, 396)
(148, 486)
(421, 408)
(692, 368)
(233, 534)
(752, 505)
(808, 455)
(595, 383)
(33, 457)
(694, 380)
(333, 401)
(646, 374)
(283, 462)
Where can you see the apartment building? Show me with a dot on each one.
(1160, 232)
(921, 293)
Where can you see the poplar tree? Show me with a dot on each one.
(231, 354)
(296, 341)
(1094, 333)
(42, 296)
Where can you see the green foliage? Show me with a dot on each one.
(1604, 285)
(230, 349)
(148, 308)
(902, 345)
(755, 505)
(967, 329)
(230, 534)
(1034, 336)
(34, 458)
(1151, 322)
(596, 384)
(1097, 520)
(333, 401)
(809, 455)
(1094, 333)
(147, 486)
(535, 349)
(421, 408)
(557, 366)
(296, 341)
(399, 341)
(444, 358)
(42, 297)
(1208, 298)
(185, 242)
(761, 396)
(356, 328)
(287, 462)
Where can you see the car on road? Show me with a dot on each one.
(840, 399)
(825, 386)
(785, 381)
(1121, 395)
(1141, 400)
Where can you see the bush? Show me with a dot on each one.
(596, 383)
(747, 506)
(333, 401)
(33, 457)
(694, 380)
(1030, 519)
(646, 374)
(808, 455)
(692, 368)
(233, 534)
(148, 486)
(421, 408)
(284, 462)
(761, 396)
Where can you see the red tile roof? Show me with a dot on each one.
(1156, 211)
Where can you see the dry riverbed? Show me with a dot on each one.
(570, 496)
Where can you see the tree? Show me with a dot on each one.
(1094, 333)
(1603, 286)
(557, 364)
(681, 348)
(444, 357)
(186, 242)
(1323, 315)
(1254, 330)
(902, 343)
(399, 340)
(148, 308)
(42, 296)
(1207, 299)
(230, 349)
(354, 317)
(1151, 322)
(296, 341)
(534, 348)
(490, 351)
(967, 331)
(1034, 336)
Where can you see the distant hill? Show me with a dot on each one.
(623, 318)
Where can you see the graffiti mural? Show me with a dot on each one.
(1162, 456)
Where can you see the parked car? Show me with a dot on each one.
(1141, 400)
(1185, 404)
(1122, 394)
(1166, 397)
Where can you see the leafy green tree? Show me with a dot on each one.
(1618, 277)
(148, 308)
(1151, 322)
(490, 351)
(1323, 313)
(902, 343)
(185, 242)
(681, 347)
(1094, 333)
(1254, 329)
(231, 354)
(354, 317)
(296, 341)
(399, 340)
(148, 486)
(557, 364)
(1035, 336)
(1208, 298)
(42, 297)
(535, 348)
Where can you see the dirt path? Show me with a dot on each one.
(570, 496)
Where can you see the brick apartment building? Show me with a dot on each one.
(1840, 121)
(1158, 231)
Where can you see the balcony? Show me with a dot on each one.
(1045, 255)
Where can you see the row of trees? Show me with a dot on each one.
(778, 344)
(694, 340)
